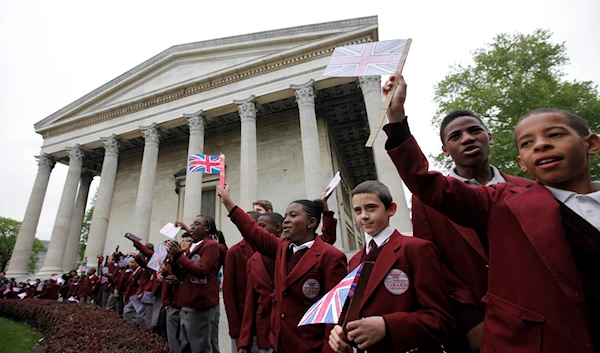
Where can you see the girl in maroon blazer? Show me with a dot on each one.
(305, 269)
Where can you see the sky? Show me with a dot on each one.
(54, 52)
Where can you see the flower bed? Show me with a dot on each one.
(69, 327)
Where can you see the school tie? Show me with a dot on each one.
(373, 245)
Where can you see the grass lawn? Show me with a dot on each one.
(16, 337)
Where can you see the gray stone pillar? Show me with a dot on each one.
(248, 162)
(311, 151)
(193, 181)
(145, 195)
(20, 256)
(60, 233)
(72, 245)
(99, 226)
(386, 171)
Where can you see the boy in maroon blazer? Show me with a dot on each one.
(463, 256)
(89, 285)
(544, 240)
(405, 306)
(73, 288)
(305, 269)
(256, 322)
(199, 288)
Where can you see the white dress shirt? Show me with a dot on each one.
(587, 206)
(380, 238)
(295, 248)
(195, 245)
(496, 178)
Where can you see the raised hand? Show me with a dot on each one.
(325, 197)
(225, 198)
(395, 113)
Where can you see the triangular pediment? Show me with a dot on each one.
(188, 64)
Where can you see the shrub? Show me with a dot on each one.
(69, 327)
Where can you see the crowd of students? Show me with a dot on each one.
(496, 263)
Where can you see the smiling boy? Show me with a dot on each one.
(544, 240)
(404, 307)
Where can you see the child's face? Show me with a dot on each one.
(186, 243)
(370, 213)
(467, 141)
(552, 151)
(259, 209)
(296, 222)
(269, 226)
(199, 228)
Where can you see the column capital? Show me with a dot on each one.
(151, 134)
(195, 121)
(76, 154)
(246, 108)
(369, 83)
(87, 177)
(305, 93)
(111, 145)
(45, 161)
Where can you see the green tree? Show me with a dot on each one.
(509, 77)
(34, 257)
(9, 229)
(85, 227)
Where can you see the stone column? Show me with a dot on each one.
(311, 151)
(248, 162)
(99, 226)
(20, 256)
(72, 245)
(145, 195)
(386, 171)
(193, 181)
(60, 233)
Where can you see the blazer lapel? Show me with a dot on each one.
(246, 248)
(308, 260)
(262, 270)
(545, 231)
(385, 261)
(470, 235)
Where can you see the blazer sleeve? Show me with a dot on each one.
(230, 274)
(210, 257)
(466, 205)
(250, 307)
(329, 228)
(432, 322)
(266, 243)
(143, 249)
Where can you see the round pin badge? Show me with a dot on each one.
(396, 282)
(196, 259)
(311, 288)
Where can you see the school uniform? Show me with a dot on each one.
(541, 298)
(89, 287)
(169, 300)
(464, 257)
(301, 278)
(198, 294)
(215, 332)
(256, 321)
(120, 288)
(73, 289)
(132, 286)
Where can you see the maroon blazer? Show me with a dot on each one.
(257, 311)
(133, 284)
(197, 271)
(169, 291)
(73, 290)
(123, 280)
(406, 287)
(234, 284)
(535, 300)
(319, 270)
(89, 286)
(464, 258)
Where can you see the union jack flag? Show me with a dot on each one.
(329, 308)
(374, 58)
(204, 164)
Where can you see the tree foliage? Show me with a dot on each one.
(509, 77)
(9, 229)
(85, 227)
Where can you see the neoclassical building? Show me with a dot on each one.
(258, 98)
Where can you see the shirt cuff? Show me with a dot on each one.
(397, 134)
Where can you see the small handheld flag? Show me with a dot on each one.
(329, 308)
(203, 163)
(367, 59)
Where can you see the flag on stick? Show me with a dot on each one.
(367, 59)
(329, 308)
(203, 163)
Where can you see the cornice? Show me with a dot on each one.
(224, 42)
(200, 87)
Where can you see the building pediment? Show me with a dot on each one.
(194, 68)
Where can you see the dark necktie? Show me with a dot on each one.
(373, 245)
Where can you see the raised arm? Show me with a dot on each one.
(329, 228)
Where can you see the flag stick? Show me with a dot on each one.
(354, 307)
(222, 171)
(388, 99)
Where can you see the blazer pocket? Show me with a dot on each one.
(511, 328)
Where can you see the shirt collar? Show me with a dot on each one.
(195, 245)
(496, 178)
(564, 195)
(380, 238)
(295, 248)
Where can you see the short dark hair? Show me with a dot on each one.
(254, 215)
(453, 115)
(266, 204)
(575, 121)
(313, 208)
(376, 188)
(274, 217)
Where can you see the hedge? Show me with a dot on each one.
(69, 327)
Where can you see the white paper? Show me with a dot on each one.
(137, 304)
(146, 299)
(72, 299)
(170, 230)
(333, 183)
(22, 295)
